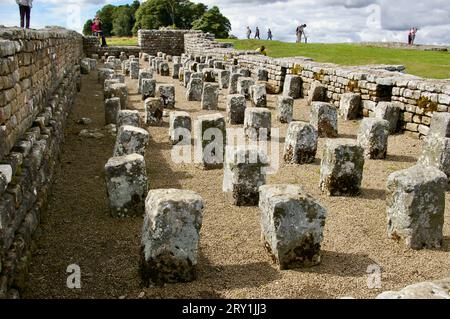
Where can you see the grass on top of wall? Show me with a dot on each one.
(427, 64)
(122, 41)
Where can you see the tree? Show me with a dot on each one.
(87, 27)
(213, 21)
(122, 21)
(106, 15)
(152, 14)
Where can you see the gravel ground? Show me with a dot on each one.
(232, 262)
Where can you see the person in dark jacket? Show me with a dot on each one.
(257, 33)
(25, 12)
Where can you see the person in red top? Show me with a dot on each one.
(96, 28)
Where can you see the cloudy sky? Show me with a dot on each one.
(327, 20)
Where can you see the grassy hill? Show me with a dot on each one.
(426, 64)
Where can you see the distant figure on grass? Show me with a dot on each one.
(269, 34)
(412, 36)
(97, 31)
(25, 11)
(257, 33)
(300, 32)
(249, 32)
(262, 50)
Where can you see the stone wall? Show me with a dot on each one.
(40, 75)
(170, 42)
(91, 45)
(418, 98)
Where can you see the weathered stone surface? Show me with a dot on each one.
(112, 108)
(390, 112)
(6, 174)
(134, 70)
(167, 93)
(128, 117)
(292, 224)
(164, 69)
(292, 86)
(224, 79)
(243, 174)
(208, 75)
(85, 66)
(262, 75)
(126, 183)
(436, 153)
(301, 143)
(131, 139)
(186, 77)
(439, 289)
(232, 87)
(104, 74)
(440, 124)
(257, 122)
(210, 96)
(176, 70)
(179, 121)
(194, 90)
(341, 170)
(148, 88)
(317, 93)
(119, 90)
(154, 108)
(373, 137)
(324, 118)
(236, 105)
(245, 72)
(258, 95)
(170, 236)
(416, 206)
(107, 88)
(243, 86)
(285, 109)
(350, 106)
(144, 74)
(210, 135)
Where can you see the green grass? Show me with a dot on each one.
(122, 41)
(427, 64)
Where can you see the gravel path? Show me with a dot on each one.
(233, 262)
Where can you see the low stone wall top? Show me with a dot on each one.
(170, 42)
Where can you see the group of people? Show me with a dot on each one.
(257, 33)
(412, 36)
(300, 32)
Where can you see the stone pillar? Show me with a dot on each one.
(257, 122)
(244, 173)
(350, 106)
(85, 66)
(134, 70)
(148, 88)
(119, 90)
(210, 96)
(126, 183)
(186, 78)
(128, 117)
(390, 112)
(292, 224)
(224, 79)
(208, 75)
(317, 93)
(324, 119)
(210, 146)
(112, 108)
(218, 65)
(416, 206)
(440, 124)
(164, 69)
(292, 86)
(236, 105)
(129, 140)
(243, 86)
(107, 88)
(144, 74)
(258, 95)
(232, 87)
(285, 109)
(179, 120)
(436, 153)
(167, 93)
(194, 90)
(104, 74)
(154, 108)
(245, 72)
(301, 143)
(176, 70)
(170, 236)
(262, 75)
(341, 170)
(373, 138)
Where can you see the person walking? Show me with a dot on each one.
(257, 33)
(413, 35)
(269, 34)
(25, 12)
(299, 32)
(410, 36)
(249, 33)
(97, 30)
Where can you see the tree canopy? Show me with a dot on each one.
(126, 20)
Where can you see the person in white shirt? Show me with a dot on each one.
(25, 11)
